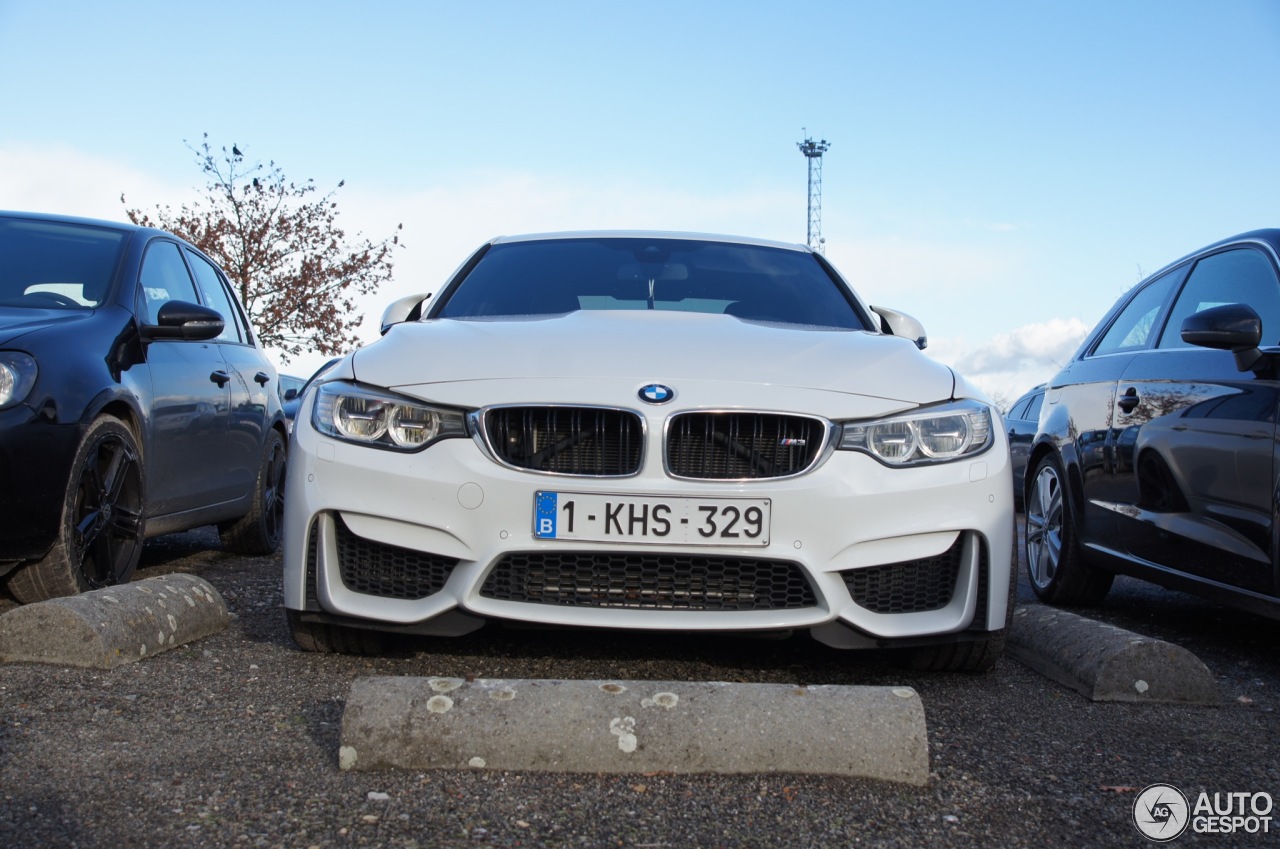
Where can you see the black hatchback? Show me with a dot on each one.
(134, 401)
(1156, 454)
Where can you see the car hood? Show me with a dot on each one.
(603, 357)
(19, 321)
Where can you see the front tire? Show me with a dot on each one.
(102, 530)
(321, 637)
(1056, 566)
(979, 655)
(259, 531)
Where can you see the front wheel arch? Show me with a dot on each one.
(1057, 565)
(102, 524)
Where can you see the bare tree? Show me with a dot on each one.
(280, 244)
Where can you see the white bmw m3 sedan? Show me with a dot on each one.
(650, 431)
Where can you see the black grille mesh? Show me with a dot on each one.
(567, 440)
(388, 571)
(909, 587)
(720, 446)
(649, 581)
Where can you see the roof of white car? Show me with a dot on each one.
(648, 234)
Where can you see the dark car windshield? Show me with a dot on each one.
(54, 264)
(562, 275)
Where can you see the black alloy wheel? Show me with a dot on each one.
(102, 531)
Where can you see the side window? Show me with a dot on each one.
(1033, 411)
(1241, 276)
(215, 296)
(1017, 410)
(164, 278)
(1135, 326)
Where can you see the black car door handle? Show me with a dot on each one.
(262, 377)
(220, 377)
(1129, 400)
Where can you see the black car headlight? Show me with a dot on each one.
(931, 435)
(17, 376)
(355, 413)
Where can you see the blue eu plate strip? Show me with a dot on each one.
(544, 515)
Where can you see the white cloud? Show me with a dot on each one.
(1046, 343)
(898, 265)
(63, 179)
(1011, 363)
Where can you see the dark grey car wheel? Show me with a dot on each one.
(260, 530)
(1056, 566)
(101, 535)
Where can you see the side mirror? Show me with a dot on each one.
(183, 320)
(290, 394)
(406, 309)
(900, 324)
(1230, 327)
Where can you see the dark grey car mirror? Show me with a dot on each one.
(1230, 327)
(183, 320)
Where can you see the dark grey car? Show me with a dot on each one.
(1021, 422)
(1157, 455)
(134, 401)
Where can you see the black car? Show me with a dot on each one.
(1021, 422)
(1156, 455)
(134, 402)
(292, 394)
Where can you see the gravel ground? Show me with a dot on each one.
(232, 741)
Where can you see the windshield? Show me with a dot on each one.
(56, 265)
(563, 275)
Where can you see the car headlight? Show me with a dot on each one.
(17, 376)
(367, 416)
(932, 435)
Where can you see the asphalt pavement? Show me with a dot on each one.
(233, 740)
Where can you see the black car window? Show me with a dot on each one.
(547, 277)
(1033, 408)
(55, 264)
(164, 278)
(1241, 276)
(1135, 327)
(216, 296)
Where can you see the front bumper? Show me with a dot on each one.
(35, 463)
(438, 541)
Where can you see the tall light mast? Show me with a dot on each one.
(813, 151)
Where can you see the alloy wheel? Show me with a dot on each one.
(108, 512)
(1044, 526)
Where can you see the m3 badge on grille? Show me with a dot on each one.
(656, 393)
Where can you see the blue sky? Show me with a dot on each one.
(1001, 170)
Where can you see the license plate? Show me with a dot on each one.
(592, 517)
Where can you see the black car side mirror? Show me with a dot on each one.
(183, 320)
(1231, 327)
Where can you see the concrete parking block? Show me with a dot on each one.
(634, 727)
(105, 628)
(1106, 663)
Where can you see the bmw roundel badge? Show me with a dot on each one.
(656, 393)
